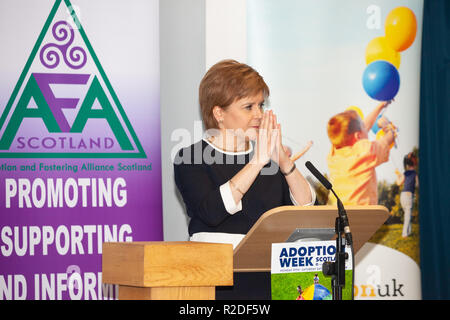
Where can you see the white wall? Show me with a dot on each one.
(182, 45)
(226, 31)
(194, 35)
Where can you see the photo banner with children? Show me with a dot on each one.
(79, 142)
(344, 79)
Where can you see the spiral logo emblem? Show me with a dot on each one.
(51, 54)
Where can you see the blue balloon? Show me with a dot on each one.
(381, 80)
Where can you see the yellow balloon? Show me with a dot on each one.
(358, 111)
(379, 49)
(400, 28)
(381, 134)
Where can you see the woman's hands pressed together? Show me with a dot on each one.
(269, 143)
(265, 140)
(269, 147)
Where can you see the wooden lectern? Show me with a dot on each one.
(253, 254)
(192, 270)
(167, 270)
(252, 257)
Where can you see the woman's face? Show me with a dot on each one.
(244, 116)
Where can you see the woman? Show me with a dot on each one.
(240, 169)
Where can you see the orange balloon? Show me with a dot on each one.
(358, 111)
(379, 49)
(400, 28)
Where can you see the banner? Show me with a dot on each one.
(344, 78)
(297, 271)
(80, 160)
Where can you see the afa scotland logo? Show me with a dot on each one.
(63, 105)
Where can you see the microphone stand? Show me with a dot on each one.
(336, 269)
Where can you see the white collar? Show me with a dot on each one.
(249, 150)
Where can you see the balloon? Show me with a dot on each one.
(381, 80)
(379, 49)
(400, 28)
(380, 135)
(358, 111)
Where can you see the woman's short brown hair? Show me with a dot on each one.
(224, 83)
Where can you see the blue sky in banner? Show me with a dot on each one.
(312, 55)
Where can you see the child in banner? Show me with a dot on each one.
(410, 180)
(316, 278)
(300, 292)
(353, 158)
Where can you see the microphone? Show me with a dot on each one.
(318, 175)
(342, 213)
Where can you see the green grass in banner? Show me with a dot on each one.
(391, 236)
(284, 285)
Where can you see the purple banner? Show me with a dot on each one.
(80, 159)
